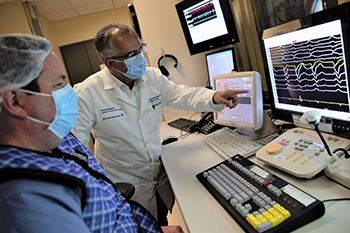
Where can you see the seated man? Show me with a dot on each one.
(49, 181)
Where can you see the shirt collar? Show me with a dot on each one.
(110, 81)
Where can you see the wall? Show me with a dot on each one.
(160, 28)
(13, 18)
(85, 27)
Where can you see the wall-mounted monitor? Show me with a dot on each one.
(309, 68)
(220, 62)
(207, 24)
(249, 113)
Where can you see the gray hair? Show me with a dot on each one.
(21, 59)
(103, 43)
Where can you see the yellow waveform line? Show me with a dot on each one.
(314, 101)
(310, 64)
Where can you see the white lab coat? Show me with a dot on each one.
(127, 142)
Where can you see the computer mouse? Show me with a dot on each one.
(169, 139)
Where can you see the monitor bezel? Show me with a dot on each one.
(235, 68)
(339, 12)
(257, 103)
(231, 37)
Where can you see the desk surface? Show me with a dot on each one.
(202, 213)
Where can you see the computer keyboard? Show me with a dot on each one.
(228, 143)
(258, 200)
(183, 124)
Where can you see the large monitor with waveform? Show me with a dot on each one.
(220, 62)
(248, 114)
(309, 68)
(207, 24)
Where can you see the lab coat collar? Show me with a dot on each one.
(108, 80)
(111, 82)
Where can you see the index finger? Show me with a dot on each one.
(240, 91)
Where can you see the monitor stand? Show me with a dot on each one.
(267, 129)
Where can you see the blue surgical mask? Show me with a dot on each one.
(66, 103)
(136, 66)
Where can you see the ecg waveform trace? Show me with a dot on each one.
(201, 15)
(311, 73)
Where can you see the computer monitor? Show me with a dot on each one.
(207, 24)
(248, 114)
(309, 68)
(220, 62)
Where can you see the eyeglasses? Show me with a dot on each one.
(143, 48)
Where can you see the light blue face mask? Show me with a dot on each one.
(136, 66)
(66, 103)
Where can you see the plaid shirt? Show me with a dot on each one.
(104, 210)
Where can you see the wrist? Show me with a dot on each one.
(214, 102)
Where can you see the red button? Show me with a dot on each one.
(265, 184)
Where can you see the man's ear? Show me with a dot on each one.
(108, 63)
(12, 101)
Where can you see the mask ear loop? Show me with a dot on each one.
(37, 120)
(35, 93)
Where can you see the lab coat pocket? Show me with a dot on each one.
(155, 115)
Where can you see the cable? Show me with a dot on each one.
(184, 134)
(336, 199)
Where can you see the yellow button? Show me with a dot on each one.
(261, 218)
(290, 155)
(253, 221)
(305, 161)
(297, 158)
(273, 211)
(273, 148)
(285, 213)
(276, 220)
(267, 215)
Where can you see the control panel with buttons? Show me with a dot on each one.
(301, 152)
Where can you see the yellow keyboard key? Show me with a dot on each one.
(276, 220)
(253, 221)
(267, 215)
(285, 213)
(261, 218)
(273, 211)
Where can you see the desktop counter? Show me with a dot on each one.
(187, 157)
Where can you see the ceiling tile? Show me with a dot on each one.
(55, 10)
(51, 6)
(95, 8)
(57, 16)
(82, 3)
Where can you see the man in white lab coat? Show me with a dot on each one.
(122, 106)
